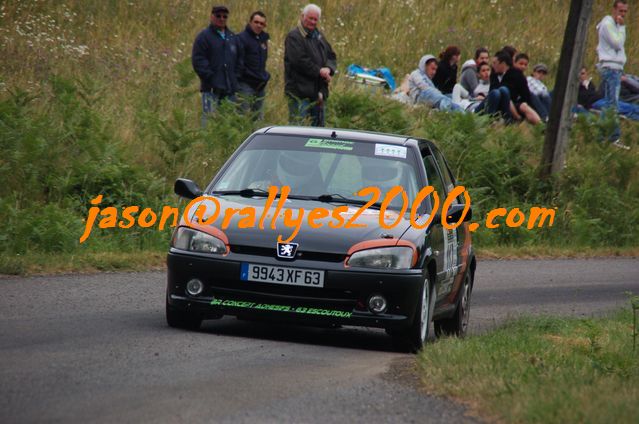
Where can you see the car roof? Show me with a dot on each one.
(340, 133)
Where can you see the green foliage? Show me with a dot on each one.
(356, 109)
(59, 155)
(542, 370)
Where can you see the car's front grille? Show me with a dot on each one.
(272, 253)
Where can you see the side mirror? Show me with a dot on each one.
(455, 213)
(186, 188)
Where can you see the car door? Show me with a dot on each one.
(457, 236)
(442, 240)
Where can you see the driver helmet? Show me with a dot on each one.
(297, 168)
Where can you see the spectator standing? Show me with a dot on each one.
(217, 60)
(309, 65)
(423, 90)
(612, 58)
(446, 76)
(252, 83)
(468, 78)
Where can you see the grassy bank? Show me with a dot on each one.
(100, 98)
(544, 370)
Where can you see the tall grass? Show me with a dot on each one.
(100, 97)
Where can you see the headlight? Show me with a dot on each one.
(385, 257)
(197, 241)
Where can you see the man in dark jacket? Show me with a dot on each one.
(506, 75)
(309, 65)
(217, 60)
(253, 81)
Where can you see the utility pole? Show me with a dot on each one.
(566, 88)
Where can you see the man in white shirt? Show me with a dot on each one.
(612, 58)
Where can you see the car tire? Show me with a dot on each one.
(457, 325)
(414, 337)
(182, 319)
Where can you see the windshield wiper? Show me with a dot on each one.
(336, 197)
(246, 192)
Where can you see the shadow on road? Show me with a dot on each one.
(344, 337)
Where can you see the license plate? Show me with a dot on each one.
(282, 275)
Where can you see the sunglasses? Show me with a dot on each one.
(220, 16)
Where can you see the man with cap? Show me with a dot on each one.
(217, 60)
(540, 97)
(309, 66)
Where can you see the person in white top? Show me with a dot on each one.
(612, 58)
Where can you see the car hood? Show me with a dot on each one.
(322, 239)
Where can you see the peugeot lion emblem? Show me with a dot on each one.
(287, 250)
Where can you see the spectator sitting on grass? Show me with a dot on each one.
(513, 79)
(521, 62)
(629, 92)
(591, 98)
(540, 96)
(468, 78)
(512, 51)
(446, 75)
(470, 101)
(422, 89)
(490, 102)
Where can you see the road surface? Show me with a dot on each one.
(96, 348)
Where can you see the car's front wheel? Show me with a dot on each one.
(181, 319)
(416, 335)
(457, 325)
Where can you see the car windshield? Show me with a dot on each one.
(315, 167)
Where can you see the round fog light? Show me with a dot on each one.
(377, 304)
(194, 287)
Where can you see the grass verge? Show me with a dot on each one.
(61, 263)
(542, 370)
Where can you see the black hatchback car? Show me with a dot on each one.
(286, 230)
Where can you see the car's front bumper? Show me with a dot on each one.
(342, 300)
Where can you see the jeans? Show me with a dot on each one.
(497, 101)
(629, 110)
(301, 109)
(439, 101)
(252, 99)
(211, 101)
(541, 103)
(611, 85)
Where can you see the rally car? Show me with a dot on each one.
(291, 227)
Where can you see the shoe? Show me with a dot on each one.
(618, 144)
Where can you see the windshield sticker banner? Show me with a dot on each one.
(281, 308)
(390, 150)
(329, 144)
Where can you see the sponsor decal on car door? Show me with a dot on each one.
(451, 259)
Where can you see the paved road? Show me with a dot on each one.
(95, 348)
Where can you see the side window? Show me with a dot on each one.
(446, 174)
(433, 177)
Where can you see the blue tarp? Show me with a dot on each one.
(382, 72)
